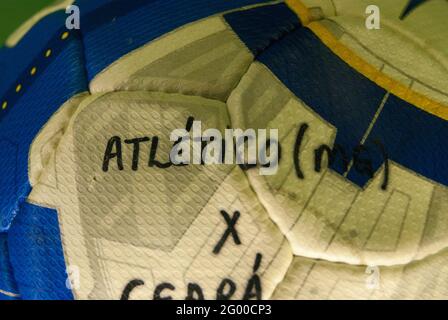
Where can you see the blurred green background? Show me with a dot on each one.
(14, 12)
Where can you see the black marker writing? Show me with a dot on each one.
(231, 222)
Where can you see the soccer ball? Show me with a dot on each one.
(93, 207)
